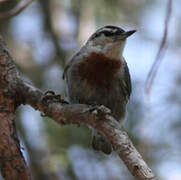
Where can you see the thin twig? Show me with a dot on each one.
(15, 11)
(3, 1)
(161, 51)
(48, 26)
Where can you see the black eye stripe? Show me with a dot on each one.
(108, 31)
(111, 33)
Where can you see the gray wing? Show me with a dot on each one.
(69, 64)
(65, 69)
(126, 82)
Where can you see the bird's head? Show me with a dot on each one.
(109, 40)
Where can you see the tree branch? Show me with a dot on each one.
(24, 93)
(15, 11)
(48, 26)
(12, 164)
(161, 51)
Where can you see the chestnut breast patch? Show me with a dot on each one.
(98, 69)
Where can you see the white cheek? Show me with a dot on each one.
(106, 46)
(93, 48)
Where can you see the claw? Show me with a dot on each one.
(42, 115)
(91, 109)
(50, 96)
(99, 110)
(49, 92)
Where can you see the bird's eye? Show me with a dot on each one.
(108, 33)
(111, 33)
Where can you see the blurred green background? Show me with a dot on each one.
(46, 34)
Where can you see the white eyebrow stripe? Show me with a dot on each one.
(108, 29)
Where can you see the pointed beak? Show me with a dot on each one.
(128, 33)
(124, 35)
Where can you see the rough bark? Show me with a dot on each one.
(7, 9)
(12, 164)
(15, 91)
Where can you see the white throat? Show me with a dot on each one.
(113, 50)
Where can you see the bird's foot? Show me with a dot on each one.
(50, 96)
(99, 110)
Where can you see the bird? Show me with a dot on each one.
(98, 75)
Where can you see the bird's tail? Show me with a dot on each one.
(99, 143)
